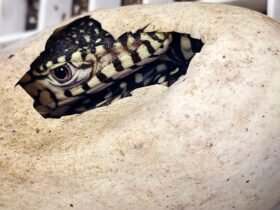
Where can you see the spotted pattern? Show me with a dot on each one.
(83, 67)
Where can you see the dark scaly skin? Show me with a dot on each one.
(104, 69)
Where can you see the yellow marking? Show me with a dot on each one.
(59, 93)
(41, 73)
(130, 40)
(61, 59)
(96, 31)
(126, 61)
(143, 52)
(82, 31)
(165, 45)
(99, 49)
(87, 38)
(160, 35)
(41, 68)
(94, 82)
(57, 65)
(76, 56)
(155, 44)
(49, 64)
(90, 57)
(109, 70)
(144, 36)
(77, 90)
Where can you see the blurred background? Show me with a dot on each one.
(22, 18)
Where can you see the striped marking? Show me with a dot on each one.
(94, 82)
(154, 44)
(149, 46)
(117, 63)
(78, 89)
(135, 57)
(102, 77)
(109, 71)
(159, 36)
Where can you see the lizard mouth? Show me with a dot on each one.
(117, 67)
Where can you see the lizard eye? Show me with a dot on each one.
(62, 74)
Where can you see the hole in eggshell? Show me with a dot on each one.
(164, 57)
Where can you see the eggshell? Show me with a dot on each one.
(210, 141)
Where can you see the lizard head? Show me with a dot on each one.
(80, 59)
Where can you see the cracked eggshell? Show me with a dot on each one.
(211, 141)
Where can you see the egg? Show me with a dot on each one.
(210, 141)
